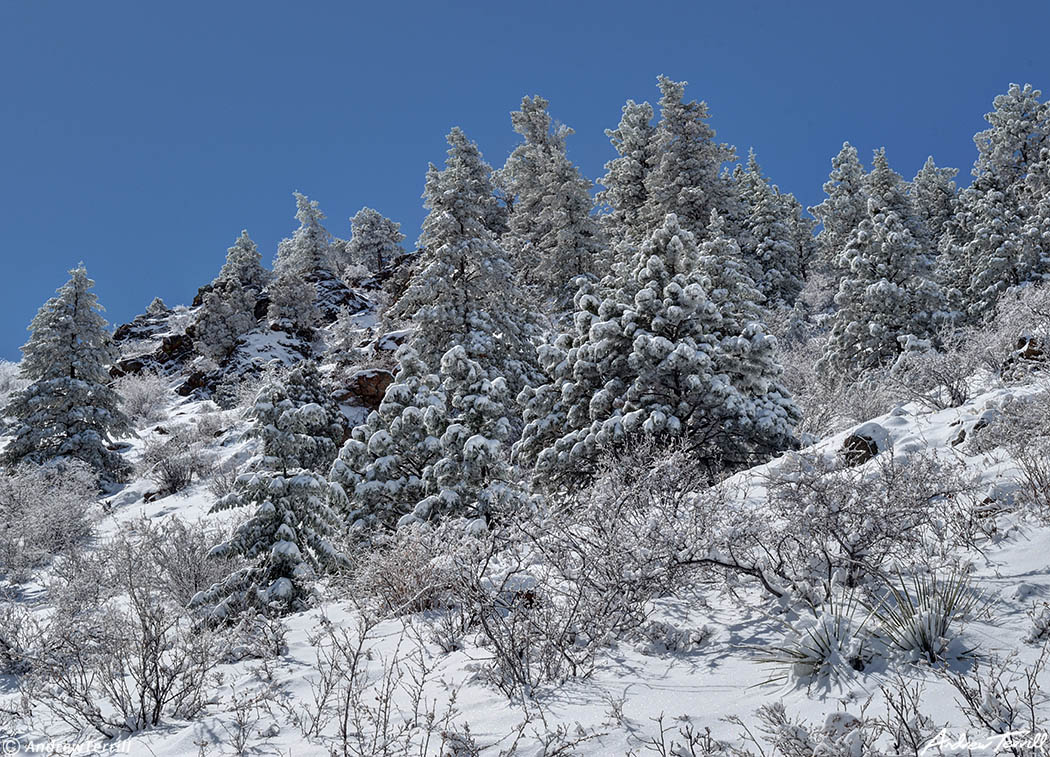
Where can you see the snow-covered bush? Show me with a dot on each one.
(143, 396)
(122, 667)
(410, 570)
(44, 512)
(1040, 630)
(173, 463)
(120, 653)
(829, 523)
(918, 619)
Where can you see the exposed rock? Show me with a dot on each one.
(369, 386)
(866, 441)
(197, 380)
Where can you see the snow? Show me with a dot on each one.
(695, 658)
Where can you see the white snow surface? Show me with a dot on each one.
(715, 677)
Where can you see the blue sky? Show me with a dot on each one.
(142, 137)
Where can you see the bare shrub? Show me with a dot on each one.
(1005, 697)
(120, 653)
(355, 711)
(121, 668)
(44, 512)
(831, 524)
(409, 570)
(144, 396)
(173, 463)
(223, 479)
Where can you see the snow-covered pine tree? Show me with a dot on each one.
(308, 252)
(746, 353)
(650, 366)
(226, 314)
(986, 249)
(624, 196)
(845, 206)
(887, 297)
(933, 192)
(228, 309)
(293, 302)
(686, 178)
(287, 537)
(385, 469)
(463, 292)
(375, 240)
(472, 475)
(552, 237)
(157, 308)
(776, 261)
(243, 265)
(69, 408)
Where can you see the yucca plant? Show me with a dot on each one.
(822, 647)
(916, 617)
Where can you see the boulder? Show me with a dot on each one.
(866, 441)
(368, 387)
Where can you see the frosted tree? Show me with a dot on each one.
(243, 266)
(343, 339)
(845, 206)
(774, 254)
(374, 241)
(686, 178)
(986, 248)
(933, 192)
(887, 298)
(287, 539)
(308, 252)
(228, 309)
(226, 314)
(463, 292)
(69, 408)
(552, 234)
(157, 308)
(651, 366)
(746, 354)
(624, 195)
(471, 475)
(728, 284)
(386, 467)
(293, 302)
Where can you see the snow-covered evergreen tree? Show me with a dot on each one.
(287, 537)
(553, 237)
(228, 309)
(471, 475)
(243, 266)
(157, 308)
(386, 467)
(226, 314)
(624, 195)
(293, 302)
(464, 292)
(987, 247)
(686, 178)
(308, 252)
(746, 353)
(69, 408)
(933, 192)
(887, 297)
(774, 254)
(845, 206)
(375, 240)
(648, 361)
